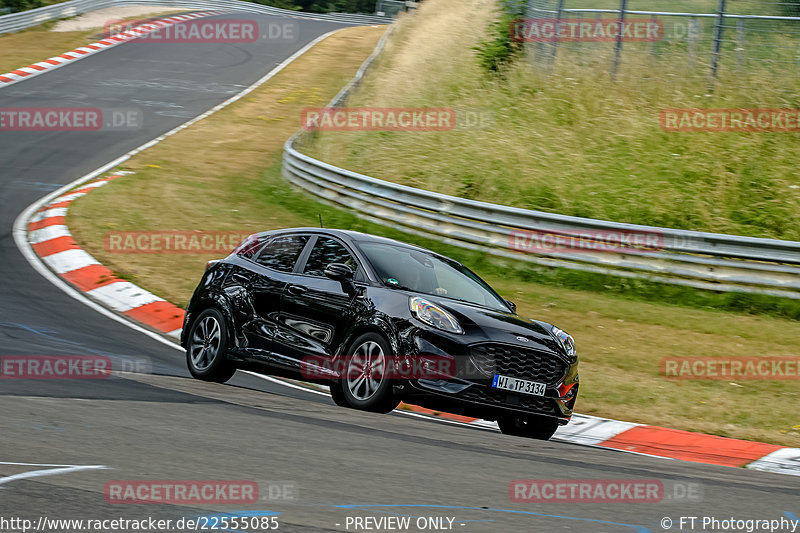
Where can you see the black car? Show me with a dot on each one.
(380, 321)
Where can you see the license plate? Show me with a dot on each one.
(522, 386)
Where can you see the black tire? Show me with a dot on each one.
(207, 347)
(338, 395)
(529, 426)
(364, 389)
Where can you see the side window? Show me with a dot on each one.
(282, 252)
(325, 252)
(249, 247)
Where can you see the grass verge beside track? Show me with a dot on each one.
(223, 173)
(574, 141)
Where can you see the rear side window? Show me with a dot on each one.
(282, 252)
(325, 252)
(249, 247)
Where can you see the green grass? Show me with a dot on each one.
(575, 142)
(223, 173)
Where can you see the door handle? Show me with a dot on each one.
(297, 289)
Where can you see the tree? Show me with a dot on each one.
(791, 8)
(20, 5)
(342, 6)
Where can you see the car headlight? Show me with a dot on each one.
(433, 315)
(565, 340)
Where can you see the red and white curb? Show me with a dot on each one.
(50, 238)
(42, 236)
(9, 78)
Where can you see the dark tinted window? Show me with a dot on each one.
(282, 252)
(249, 247)
(420, 271)
(325, 252)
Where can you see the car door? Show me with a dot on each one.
(271, 272)
(316, 311)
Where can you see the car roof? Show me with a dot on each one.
(349, 235)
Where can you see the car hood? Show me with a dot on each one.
(482, 323)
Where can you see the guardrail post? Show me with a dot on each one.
(554, 46)
(740, 36)
(618, 46)
(580, 47)
(533, 50)
(692, 36)
(719, 27)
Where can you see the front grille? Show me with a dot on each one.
(538, 404)
(517, 362)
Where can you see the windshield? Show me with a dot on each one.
(407, 268)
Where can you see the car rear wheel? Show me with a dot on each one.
(530, 426)
(207, 348)
(365, 384)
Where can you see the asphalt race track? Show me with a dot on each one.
(315, 464)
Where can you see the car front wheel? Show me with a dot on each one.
(206, 354)
(530, 426)
(366, 383)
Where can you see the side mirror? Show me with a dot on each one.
(339, 272)
(512, 305)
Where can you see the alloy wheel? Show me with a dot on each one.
(205, 343)
(366, 370)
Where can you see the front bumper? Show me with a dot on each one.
(480, 401)
(468, 391)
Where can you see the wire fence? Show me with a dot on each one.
(389, 8)
(694, 38)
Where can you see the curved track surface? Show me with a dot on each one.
(339, 463)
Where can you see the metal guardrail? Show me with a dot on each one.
(26, 19)
(697, 259)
